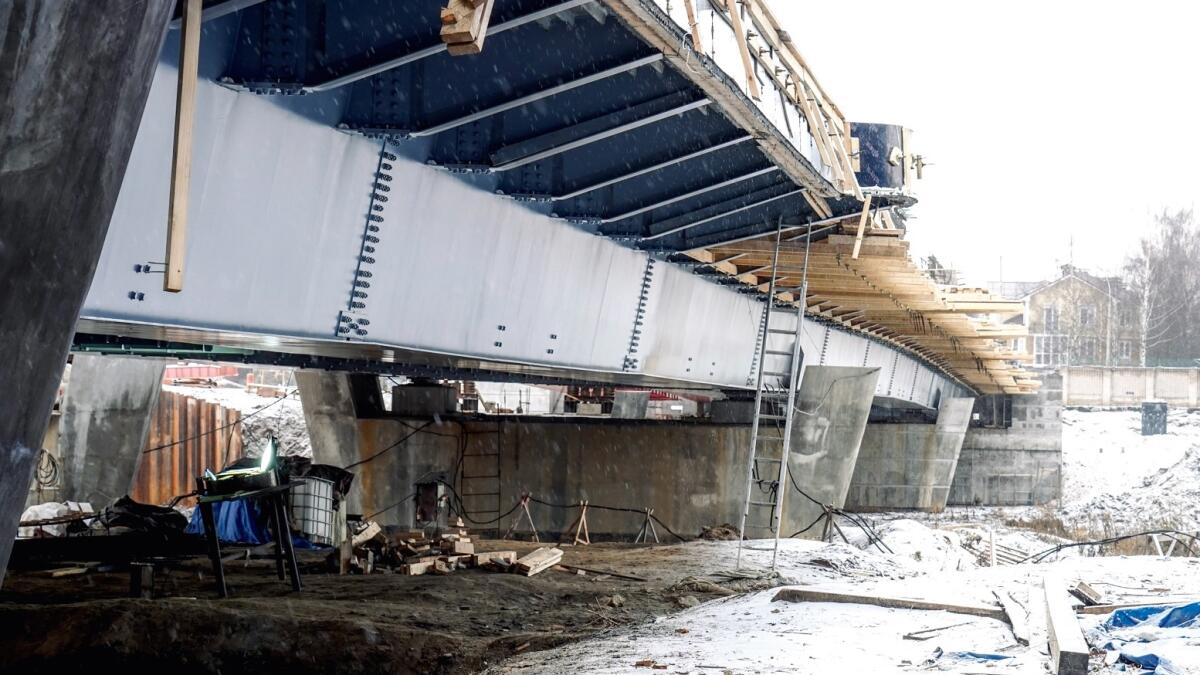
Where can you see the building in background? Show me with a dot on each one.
(1078, 319)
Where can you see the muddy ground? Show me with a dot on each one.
(378, 623)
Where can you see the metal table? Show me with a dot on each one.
(273, 499)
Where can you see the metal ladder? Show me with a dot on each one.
(778, 379)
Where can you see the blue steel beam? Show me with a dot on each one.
(557, 148)
(652, 168)
(440, 48)
(694, 193)
(537, 96)
(718, 216)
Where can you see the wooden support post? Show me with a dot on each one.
(1068, 650)
(693, 26)
(739, 30)
(181, 162)
(862, 226)
(580, 526)
(517, 520)
(647, 530)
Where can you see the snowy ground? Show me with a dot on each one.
(752, 634)
(282, 417)
(1115, 479)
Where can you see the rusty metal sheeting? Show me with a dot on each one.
(205, 436)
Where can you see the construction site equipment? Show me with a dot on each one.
(311, 504)
(778, 379)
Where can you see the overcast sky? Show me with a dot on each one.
(1043, 121)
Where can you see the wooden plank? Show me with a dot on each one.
(693, 26)
(813, 595)
(1105, 609)
(616, 575)
(739, 31)
(181, 161)
(862, 225)
(1086, 594)
(1017, 615)
(538, 561)
(506, 557)
(1068, 650)
(466, 36)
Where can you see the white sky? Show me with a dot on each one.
(1043, 121)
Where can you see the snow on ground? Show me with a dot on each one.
(752, 634)
(1116, 480)
(282, 417)
(1104, 450)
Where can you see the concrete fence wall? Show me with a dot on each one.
(1086, 385)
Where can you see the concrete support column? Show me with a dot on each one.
(1193, 388)
(910, 466)
(332, 423)
(386, 455)
(834, 404)
(106, 414)
(1151, 380)
(1106, 376)
(75, 77)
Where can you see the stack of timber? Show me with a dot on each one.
(539, 560)
(465, 24)
(860, 276)
(417, 552)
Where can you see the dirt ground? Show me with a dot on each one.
(384, 623)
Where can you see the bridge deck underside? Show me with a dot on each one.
(359, 194)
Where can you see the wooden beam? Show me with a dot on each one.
(739, 31)
(1068, 650)
(862, 226)
(693, 26)
(181, 159)
(813, 595)
(465, 24)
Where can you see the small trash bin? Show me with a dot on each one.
(1154, 418)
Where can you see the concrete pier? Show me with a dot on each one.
(1019, 464)
(691, 473)
(109, 403)
(75, 76)
(910, 466)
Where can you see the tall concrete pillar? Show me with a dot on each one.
(834, 404)
(347, 428)
(75, 77)
(106, 414)
(910, 466)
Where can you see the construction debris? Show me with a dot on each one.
(811, 595)
(540, 560)
(1086, 594)
(1068, 650)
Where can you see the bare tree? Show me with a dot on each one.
(1164, 275)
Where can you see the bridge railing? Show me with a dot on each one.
(748, 42)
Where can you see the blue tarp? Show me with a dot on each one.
(241, 522)
(1160, 638)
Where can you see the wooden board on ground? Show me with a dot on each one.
(1086, 594)
(1018, 616)
(540, 560)
(506, 557)
(1068, 650)
(606, 573)
(1105, 609)
(416, 569)
(812, 595)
